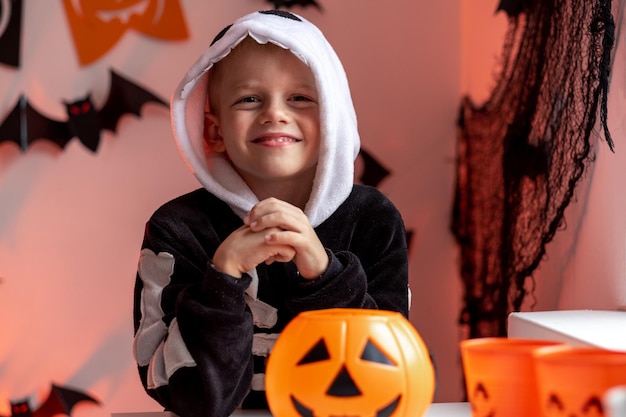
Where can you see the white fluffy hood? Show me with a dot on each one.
(339, 135)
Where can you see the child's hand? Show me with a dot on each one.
(244, 249)
(286, 225)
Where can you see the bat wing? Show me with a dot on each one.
(24, 125)
(61, 401)
(124, 97)
(288, 3)
(512, 7)
(277, 4)
(307, 3)
(373, 172)
(10, 32)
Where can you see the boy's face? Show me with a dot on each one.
(265, 114)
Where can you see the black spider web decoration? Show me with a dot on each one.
(522, 153)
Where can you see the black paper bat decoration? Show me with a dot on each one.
(512, 7)
(25, 124)
(373, 171)
(372, 174)
(10, 31)
(289, 3)
(61, 400)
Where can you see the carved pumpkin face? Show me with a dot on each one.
(355, 362)
(589, 407)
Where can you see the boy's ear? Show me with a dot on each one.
(212, 133)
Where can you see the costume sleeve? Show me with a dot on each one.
(193, 329)
(368, 261)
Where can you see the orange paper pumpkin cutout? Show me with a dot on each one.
(97, 25)
(349, 362)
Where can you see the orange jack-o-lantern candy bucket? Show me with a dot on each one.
(500, 376)
(349, 362)
(574, 380)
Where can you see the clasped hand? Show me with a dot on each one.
(273, 231)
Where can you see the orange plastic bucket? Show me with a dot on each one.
(573, 380)
(500, 376)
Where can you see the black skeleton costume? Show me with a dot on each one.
(202, 336)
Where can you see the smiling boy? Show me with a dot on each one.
(264, 115)
(265, 121)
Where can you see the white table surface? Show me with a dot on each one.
(449, 410)
(435, 410)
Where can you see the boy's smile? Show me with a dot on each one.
(265, 116)
(275, 139)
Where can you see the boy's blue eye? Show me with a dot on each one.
(301, 98)
(248, 100)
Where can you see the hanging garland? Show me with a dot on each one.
(522, 153)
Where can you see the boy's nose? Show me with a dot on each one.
(274, 111)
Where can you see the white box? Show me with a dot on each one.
(599, 328)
